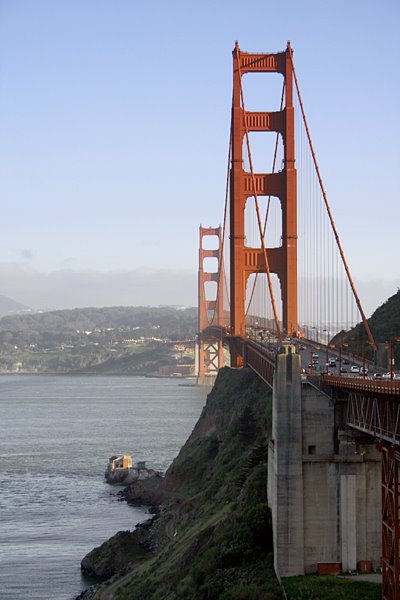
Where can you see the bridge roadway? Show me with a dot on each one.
(373, 406)
(257, 352)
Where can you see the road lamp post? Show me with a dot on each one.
(363, 368)
(327, 353)
(363, 355)
(316, 333)
(261, 336)
(312, 358)
(391, 355)
(342, 345)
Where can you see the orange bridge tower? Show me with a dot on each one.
(209, 344)
(243, 185)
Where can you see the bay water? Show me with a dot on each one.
(56, 435)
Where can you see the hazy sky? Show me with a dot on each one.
(114, 125)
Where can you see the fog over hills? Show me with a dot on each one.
(67, 288)
(73, 288)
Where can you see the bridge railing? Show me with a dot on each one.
(369, 387)
(261, 361)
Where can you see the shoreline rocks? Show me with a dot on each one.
(146, 492)
(88, 594)
(118, 552)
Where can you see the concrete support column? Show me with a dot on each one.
(285, 466)
(348, 519)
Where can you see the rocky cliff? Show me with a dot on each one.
(212, 537)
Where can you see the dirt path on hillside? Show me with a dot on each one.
(107, 591)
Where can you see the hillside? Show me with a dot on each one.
(384, 324)
(8, 306)
(123, 339)
(214, 536)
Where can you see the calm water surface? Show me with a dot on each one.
(56, 435)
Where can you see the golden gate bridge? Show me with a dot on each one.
(276, 267)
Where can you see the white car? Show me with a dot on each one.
(387, 376)
(354, 369)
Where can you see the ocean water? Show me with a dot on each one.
(56, 435)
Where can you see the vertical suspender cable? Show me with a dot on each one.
(366, 326)
(221, 271)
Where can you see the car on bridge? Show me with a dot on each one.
(387, 376)
(378, 376)
(354, 369)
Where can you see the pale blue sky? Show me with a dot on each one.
(114, 124)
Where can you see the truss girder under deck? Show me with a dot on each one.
(390, 522)
(380, 417)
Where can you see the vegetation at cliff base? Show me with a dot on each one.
(327, 587)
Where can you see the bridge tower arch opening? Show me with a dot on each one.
(260, 323)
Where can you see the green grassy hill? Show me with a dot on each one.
(384, 324)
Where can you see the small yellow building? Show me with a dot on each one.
(121, 462)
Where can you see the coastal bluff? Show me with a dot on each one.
(211, 535)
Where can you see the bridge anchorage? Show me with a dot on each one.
(275, 290)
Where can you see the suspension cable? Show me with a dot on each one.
(357, 299)
(260, 228)
(221, 269)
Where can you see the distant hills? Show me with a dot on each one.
(139, 321)
(118, 339)
(125, 339)
(9, 306)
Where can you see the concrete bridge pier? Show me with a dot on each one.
(285, 473)
(323, 480)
